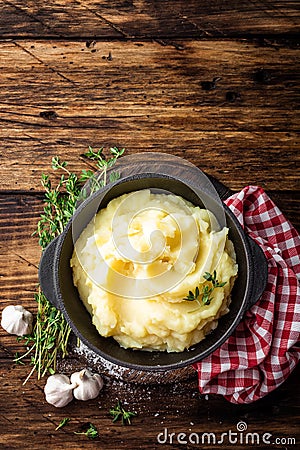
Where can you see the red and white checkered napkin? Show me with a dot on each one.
(265, 347)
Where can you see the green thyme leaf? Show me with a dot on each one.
(63, 423)
(18, 358)
(118, 412)
(207, 289)
(91, 432)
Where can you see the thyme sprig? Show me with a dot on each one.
(207, 289)
(103, 165)
(91, 432)
(118, 412)
(63, 423)
(51, 332)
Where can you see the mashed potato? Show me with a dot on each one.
(137, 260)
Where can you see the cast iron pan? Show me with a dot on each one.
(57, 284)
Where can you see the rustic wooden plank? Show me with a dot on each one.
(168, 19)
(236, 159)
(19, 251)
(57, 19)
(19, 214)
(151, 98)
(267, 76)
(19, 273)
(179, 408)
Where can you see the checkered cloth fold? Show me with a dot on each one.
(265, 347)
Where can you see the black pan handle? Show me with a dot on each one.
(223, 191)
(260, 271)
(46, 272)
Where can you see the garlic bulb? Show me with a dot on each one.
(16, 320)
(88, 385)
(58, 390)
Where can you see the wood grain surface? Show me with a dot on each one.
(129, 19)
(216, 83)
(58, 98)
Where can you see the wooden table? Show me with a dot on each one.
(214, 82)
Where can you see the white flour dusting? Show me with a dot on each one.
(101, 365)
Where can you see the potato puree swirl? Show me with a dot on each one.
(136, 261)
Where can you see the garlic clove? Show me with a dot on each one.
(58, 390)
(16, 320)
(88, 385)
